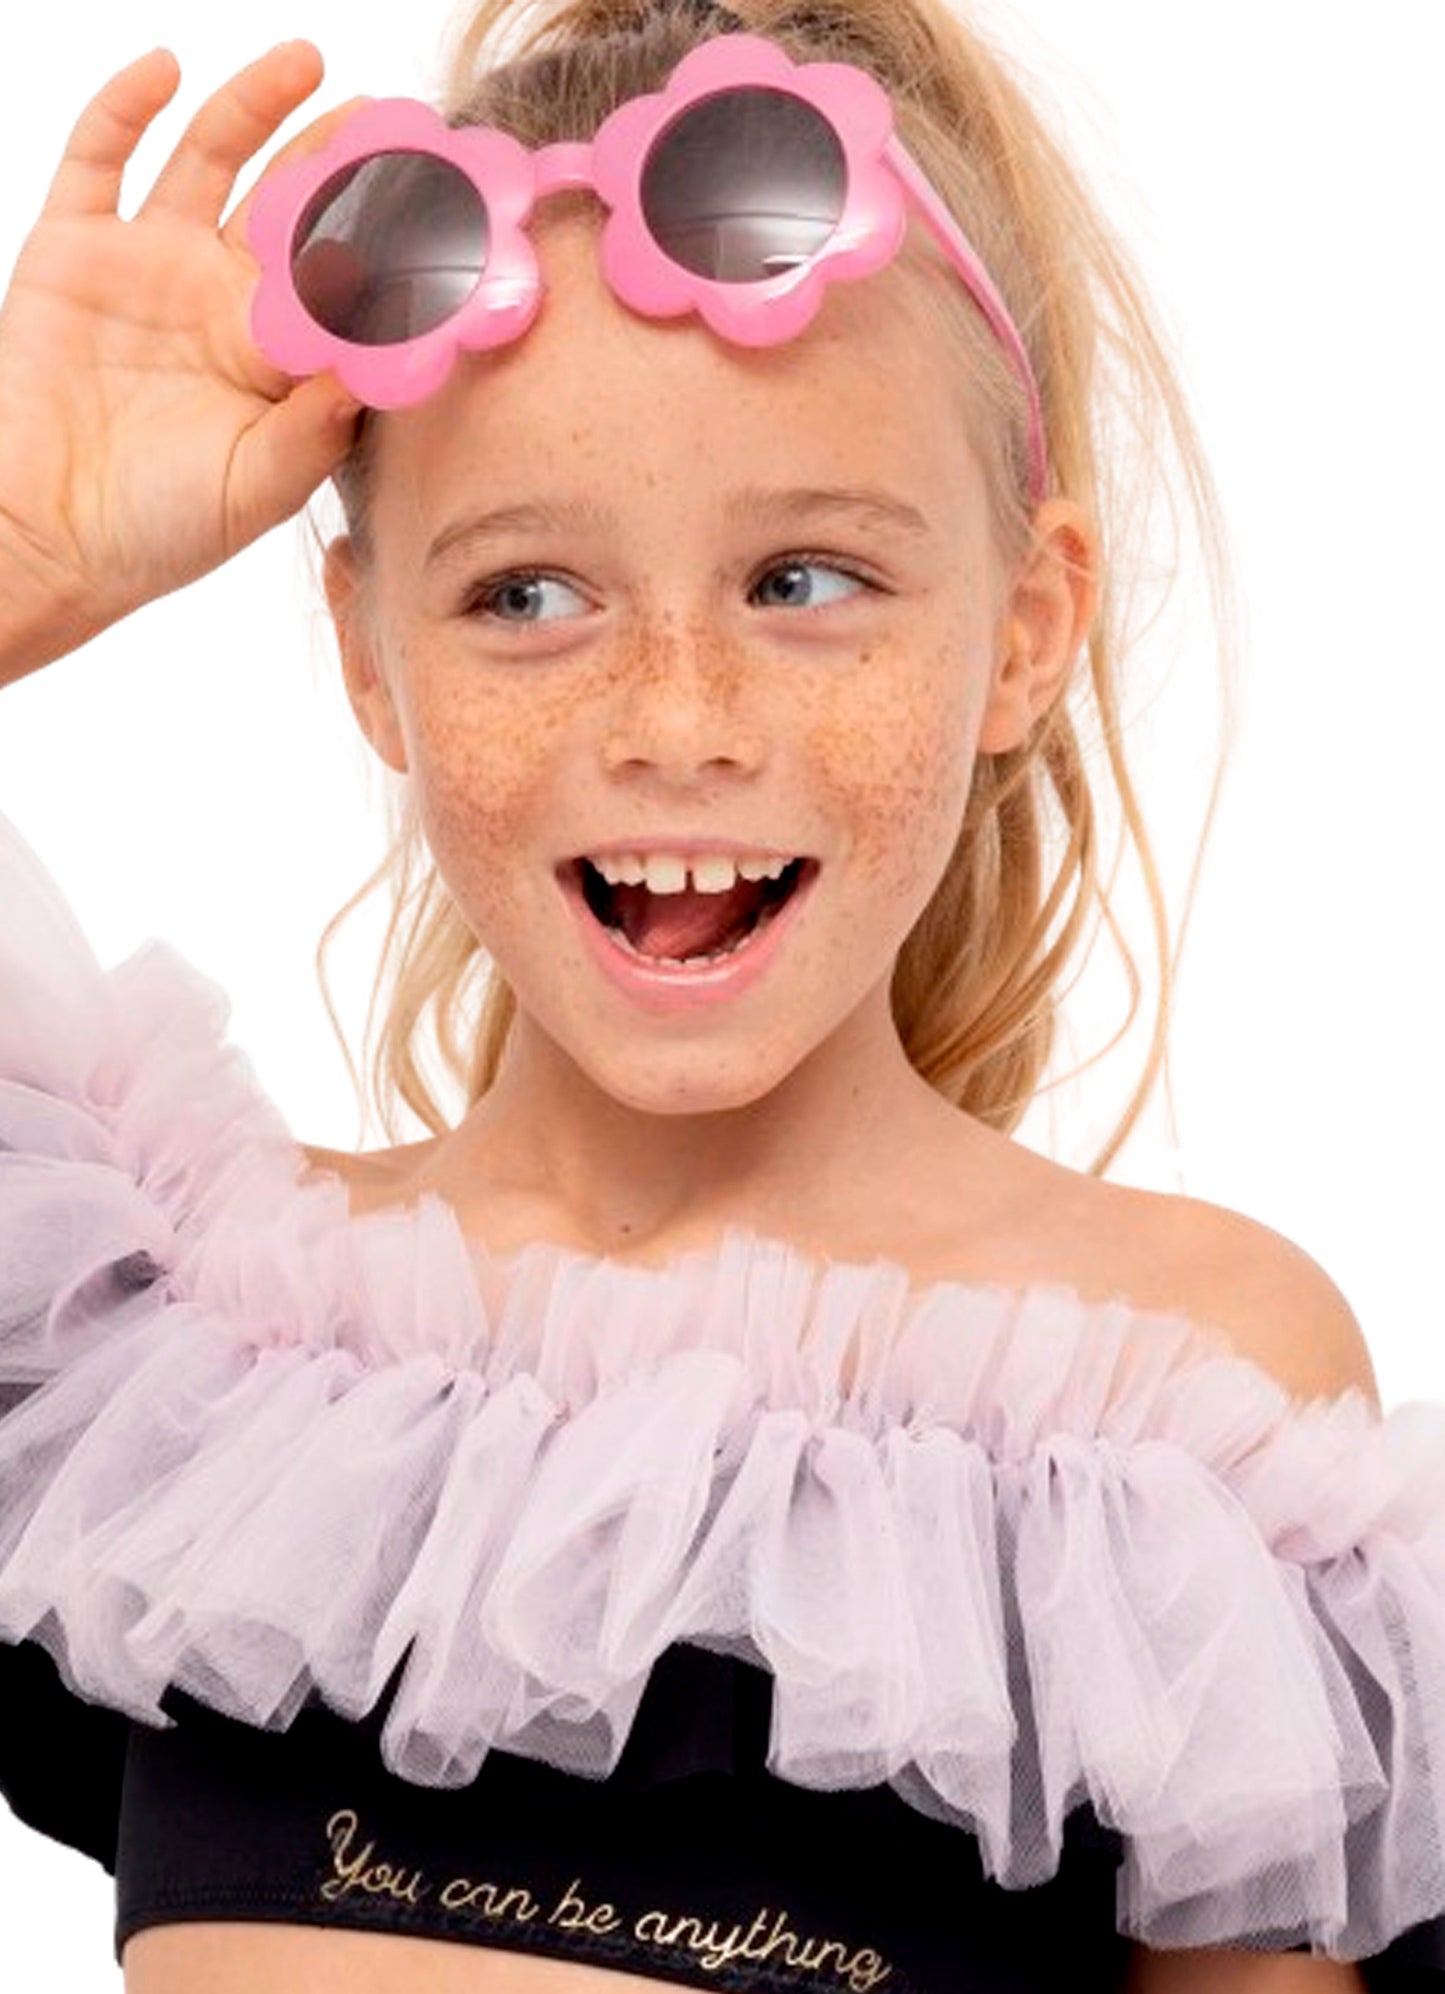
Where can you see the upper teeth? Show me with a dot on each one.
(662, 873)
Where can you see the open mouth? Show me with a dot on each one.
(687, 926)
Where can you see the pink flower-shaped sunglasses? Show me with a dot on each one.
(739, 191)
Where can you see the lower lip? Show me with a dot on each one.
(664, 987)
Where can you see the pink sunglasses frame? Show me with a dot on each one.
(882, 177)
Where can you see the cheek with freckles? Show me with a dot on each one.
(894, 769)
(483, 762)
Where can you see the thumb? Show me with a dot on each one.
(285, 455)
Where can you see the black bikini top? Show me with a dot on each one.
(688, 1862)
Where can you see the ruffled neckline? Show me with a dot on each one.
(544, 1262)
(410, 1280)
(283, 1204)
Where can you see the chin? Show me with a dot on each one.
(699, 1085)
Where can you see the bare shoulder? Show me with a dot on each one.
(1165, 1251)
(1275, 1302)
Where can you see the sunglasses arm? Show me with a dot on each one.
(969, 265)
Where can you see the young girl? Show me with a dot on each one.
(722, 1511)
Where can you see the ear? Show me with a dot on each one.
(1046, 619)
(357, 641)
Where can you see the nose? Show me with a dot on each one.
(684, 708)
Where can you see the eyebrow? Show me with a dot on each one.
(866, 505)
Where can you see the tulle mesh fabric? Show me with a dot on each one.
(1005, 1550)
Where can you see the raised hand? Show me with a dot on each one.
(143, 438)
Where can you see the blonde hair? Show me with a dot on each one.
(973, 993)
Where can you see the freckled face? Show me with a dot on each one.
(689, 662)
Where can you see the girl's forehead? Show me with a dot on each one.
(869, 390)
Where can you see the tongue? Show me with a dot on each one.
(687, 923)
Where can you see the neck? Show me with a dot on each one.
(843, 1141)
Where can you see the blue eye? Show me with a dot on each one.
(802, 564)
(514, 591)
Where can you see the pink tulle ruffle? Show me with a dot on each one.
(1042, 1550)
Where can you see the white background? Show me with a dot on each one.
(1277, 169)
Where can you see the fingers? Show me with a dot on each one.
(107, 132)
(311, 140)
(286, 454)
(230, 127)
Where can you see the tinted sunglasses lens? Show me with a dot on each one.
(744, 185)
(390, 247)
